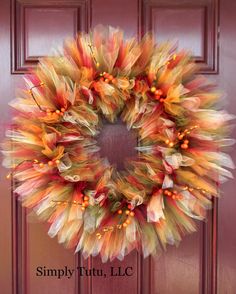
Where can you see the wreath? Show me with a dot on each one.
(52, 150)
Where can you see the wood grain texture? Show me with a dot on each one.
(61, 23)
(193, 23)
(227, 202)
(173, 24)
(117, 144)
(194, 266)
(39, 26)
(7, 92)
(31, 247)
(123, 14)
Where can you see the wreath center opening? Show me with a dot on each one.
(117, 143)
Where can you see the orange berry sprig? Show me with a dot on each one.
(107, 78)
(30, 91)
(169, 143)
(93, 55)
(14, 168)
(85, 203)
(58, 112)
(48, 111)
(59, 202)
(157, 94)
(50, 162)
(128, 213)
(191, 189)
(111, 228)
(173, 194)
(174, 60)
(104, 230)
(53, 162)
(182, 137)
(8, 176)
(35, 161)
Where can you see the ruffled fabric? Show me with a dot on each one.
(52, 150)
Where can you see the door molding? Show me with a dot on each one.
(25, 18)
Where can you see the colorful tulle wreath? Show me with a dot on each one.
(52, 150)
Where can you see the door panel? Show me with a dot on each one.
(40, 25)
(227, 203)
(45, 253)
(179, 264)
(192, 24)
(35, 26)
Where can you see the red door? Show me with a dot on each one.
(204, 261)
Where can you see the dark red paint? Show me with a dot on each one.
(205, 261)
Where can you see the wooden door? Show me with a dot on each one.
(204, 261)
